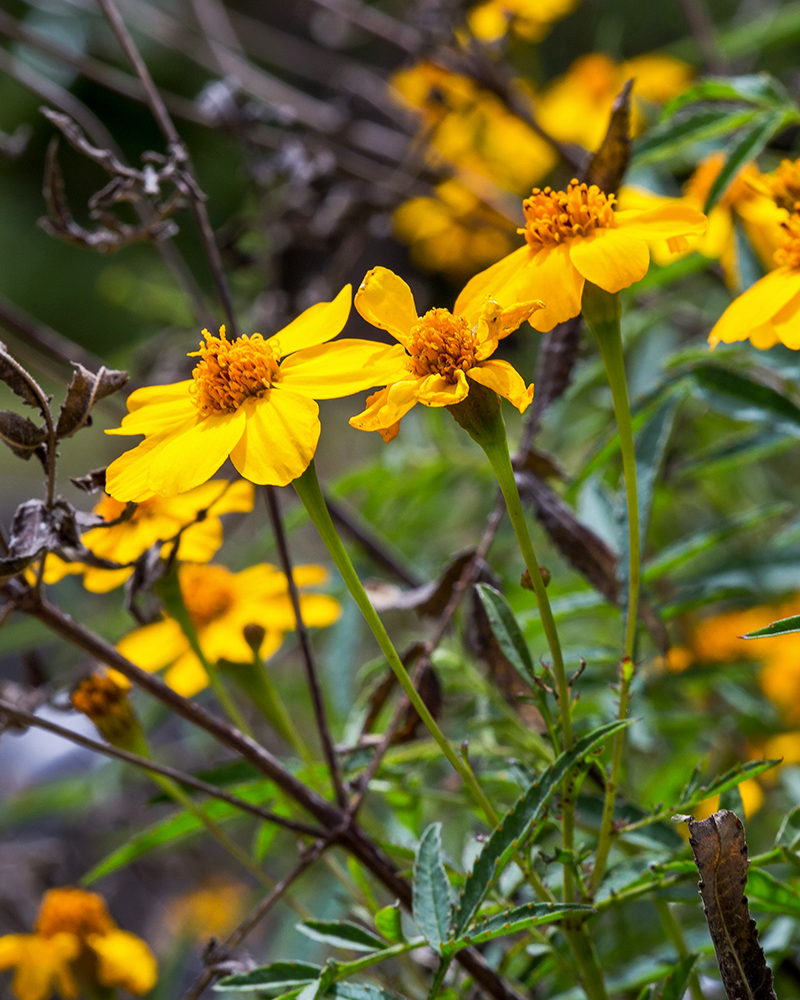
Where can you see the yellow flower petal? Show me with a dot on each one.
(154, 646)
(552, 277)
(434, 390)
(342, 368)
(280, 438)
(151, 395)
(41, 964)
(662, 222)
(102, 581)
(318, 324)
(127, 476)
(157, 416)
(187, 677)
(758, 304)
(189, 458)
(386, 301)
(198, 542)
(494, 284)
(505, 380)
(610, 258)
(387, 408)
(124, 960)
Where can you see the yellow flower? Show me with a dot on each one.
(577, 107)
(530, 19)
(252, 399)
(155, 521)
(74, 928)
(220, 604)
(212, 910)
(744, 202)
(575, 236)
(768, 311)
(442, 352)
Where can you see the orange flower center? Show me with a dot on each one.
(552, 217)
(789, 251)
(207, 591)
(230, 372)
(784, 184)
(74, 911)
(441, 344)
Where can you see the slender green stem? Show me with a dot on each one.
(309, 491)
(586, 956)
(674, 932)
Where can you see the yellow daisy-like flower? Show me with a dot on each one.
(158, 519)
(530, 19)
(221, 604)
(443, 352)
(74, 928)
(769, 311)
(251, 399)
(575, 236)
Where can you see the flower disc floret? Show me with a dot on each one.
(788, 253)
(209, 592)
(230, 372)
(441, 344)
(552, 217)
(73, 911)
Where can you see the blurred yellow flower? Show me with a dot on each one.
(530, 19)
(744, 202)
(251, 399)
(212, 910)
(442, 352)
(155, 520)
(577, 106)
(575, 236)
(220, 604)
(75, 930)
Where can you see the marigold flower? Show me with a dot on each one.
(221, 605)
(443, 352)
(155, 520)
(74, 929)
(767, 312)
(575, 236)
(251, 399)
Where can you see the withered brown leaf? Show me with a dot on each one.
(21, 435)
(84, 391)
(720, 853)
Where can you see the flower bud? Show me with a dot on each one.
(104, 700)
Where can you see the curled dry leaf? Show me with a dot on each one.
(18, 380)
(720, 853)
(609, 163)
(21, 434)
(430, 599)
(84, 391)
(92, 482)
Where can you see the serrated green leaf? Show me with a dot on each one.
(783, 626)
(506, 630)
(699, 126)
(747, 147)
(341, 934)
(516, 823)
(517, 919)
(389, 923)
(276, 977)
(677, 982)
(432, 905)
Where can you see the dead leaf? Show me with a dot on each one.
(430, 599)
(18, 380)
(21, 434)
(84, 391)
(92, 482)
(430, 690)
(609, 163)
(720, 853)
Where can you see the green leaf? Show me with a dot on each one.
(701, 125)
(677, 982)
(360, 991)
(517, 919)
(752, 399)
(389, 923)
(730, 779)
(277, 977)
(781, 627)
(756, 88)
(754, 138)
(517, 822)
(432, 905)
(506, 630)
(767, 894)
(341, 934)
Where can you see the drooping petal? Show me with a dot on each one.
(124, 960)
(505, 380)
(318, 324)
(612, 259)
(187, 677)
(387, 408)
(386, 301)
(496, 283)
(190, 458)
(434, 390)
(663, 222)
(342, 368)
(758, 304)
(280, 438)
(154, 646)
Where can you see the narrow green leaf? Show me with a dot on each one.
(769, 895)
(506, 630)
(517, 822)
(341, 934)
(677, 982)
(517, 919)
(277, 977)
(753, 399)
(730, 779)
(432, 905)
(754, 138)
(755, 88)
(312, 990)
(781, 627)
(389, 923)
(699, 126)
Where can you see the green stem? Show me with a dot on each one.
(674, 932)
(308, 489)
(586, 956)
(601, 310)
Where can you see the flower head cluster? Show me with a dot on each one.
(75, 931)
(221, 605)
(443, 352)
